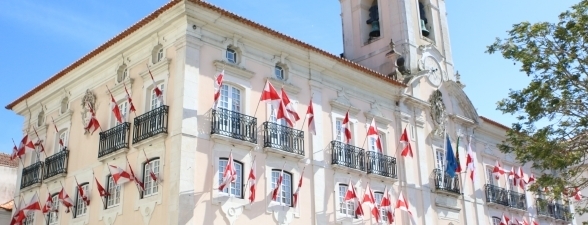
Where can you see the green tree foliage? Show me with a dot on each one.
(555, 56)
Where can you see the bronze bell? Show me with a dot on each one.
(375, 32)
(424, 30)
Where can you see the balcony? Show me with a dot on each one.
(553, 210)
(381, 165)
(347, 156)
(151, 124)
(283, 140)
(517, 200)
(114, 139)
(32, 175)
(226, 123)
(56, 164)
(444, 183)
(496, 195)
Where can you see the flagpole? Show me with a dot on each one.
(39, 202)
(19, 158)
(134, 177)
(95, 179)
(306, 115)
(42, 147)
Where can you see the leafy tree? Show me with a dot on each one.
(555, 56)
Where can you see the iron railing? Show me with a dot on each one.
(553, 210)
(235, 125)
(56, 164)
(517, 200)
(444, 182)
(562, 212)
(495, 194)
(114, 139)
(380, 164)
(31, 175)
(150, 124)
(347, 155)
(283, 138)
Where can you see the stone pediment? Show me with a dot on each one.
(460, 107)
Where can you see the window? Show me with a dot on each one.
(151, 187)
(40, 118)
(346, 208)
(489, 176)
(440, 159)
(122, 73)
(231, 55)
(124, 111)
(80, 206)
(285, 195)
(378, 197)
(279, 72)
(53, 217)
(154, 101)
(157, 54)
(35, 157)
(230, 98)
(63, 136)
(425, 21)
(114, 190)
(64, 105)
(160, 55)
(339, 131)
(496, 220)
(236, 187)
(372, 142)
(30, 218)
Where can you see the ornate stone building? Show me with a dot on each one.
(396, 69)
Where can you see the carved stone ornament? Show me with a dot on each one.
(438, 113)
(89, 100)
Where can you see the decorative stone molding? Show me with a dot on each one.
(290, 88)
(119, 87)
(233, 69)
(415, 102)
(447, 202)
(89, 100)
(283, 215)
(231, 210)
(438, 112)
(343, 104)
(158, 68)
(377, 114)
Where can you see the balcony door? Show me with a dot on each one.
(278, 133)
(230, 101)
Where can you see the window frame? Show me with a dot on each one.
(228, 99)
(282, 72)
(159, 56)
(490, 177)
(122, 73)
(372, 142)
(79, 203)
(53, 214)
(232, 186)
(147, 180)
(495, 220)
(339, 131)
(63, 105)
(349, 206)
(40, 118)
(123, 108)
(378, 196)
(58, 135)
(113, 191)
(440, 162)
(285, 195)
(153, 98)
(233, 52)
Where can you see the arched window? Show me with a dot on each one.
(29, 218)
(40, 118)
(157, 54)
(114, 190)
(378, 198)
(495, 220)
(231, 55)
(53, 216)
(64, 105)
(122, 73)
(151, 187)
(285, 194)
(346, 208)
(80, 206)
(235, 187)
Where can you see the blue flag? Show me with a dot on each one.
(451, 161)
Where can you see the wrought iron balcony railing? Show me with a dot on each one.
(151, 123)
(235, 125)
(497, 195)
(380, 164)
(444, 182)
(114, 139)
(32, 174)
(562, 212)
(56, 164)
(347, 155)
(283, 138)
(545, 208)
(517, 200)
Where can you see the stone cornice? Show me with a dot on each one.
(233, 69)
(290, 88)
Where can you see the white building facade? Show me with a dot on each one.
(396, 69)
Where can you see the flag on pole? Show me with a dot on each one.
(577, 194)
(39, 141)
(471, 161)
(129, 99)
(386, 205)
(270, 94)
(84, 194)
(289, 106)
(531, 179)
(61, 145)
(373, 133)
(153, 176)
(276, 190)
(284, 114)
(504, 220)
(458, 169)
(310, 115)
(521, 180)
(406, 149)
(119, 175)
(14, 154)
(218, 83)
(368, 197)
(402, 204)
(450, 158)
(252, 182)
(156, 90)
(18, 216)
(230, 173)
(346, 128)
(134, 178)
(497, 171)
(115, 109)
(296, 194)
(48, 207)
(33, 204)
(65, 200)
(101, 190)
(351, 195)
(93, 123)
(26, 146)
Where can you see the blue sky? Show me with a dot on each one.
(39, 38)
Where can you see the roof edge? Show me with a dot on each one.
(497, 124)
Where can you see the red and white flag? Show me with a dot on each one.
(93, 124)
(101, 190)
(577, 194)
(285, 115)
(386, 205)
(48, 207)
(230, 173)
(531, 179)
(351, 195)
(297, 192)
(368, 197)
(130, 100)
(83, 193)
(276, 190)
(406, 149)
(33, 205)
(402, 204)
(39, 142)
(119, 175)
(65, 200)
(373, 133)
(504, 220)
(534, 221)
(134, 178)
(270, 94)
(289, 106)
(346, 127)
(218, 83)
(115, 109)
(18, 216)
(61, 145)
(471, 162)
(252, 179)
(521, 178)
(26, 146)
(156, 90)
(153, 176)
(310, 116)
(14, 154)
(497, 171)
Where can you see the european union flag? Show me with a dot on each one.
(451, 161)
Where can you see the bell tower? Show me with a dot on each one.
(397, 38)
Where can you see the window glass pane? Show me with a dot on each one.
(339, 133)
(80, 205)
(231, 56)
(347, 208)
(378, 197)
(54, 216)
(236, 187)
(160, 55)
(440, 159)
(151, 187)
(285, 195)
(63, 136)
(114, 198)
(154, 101)
(279, 72)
